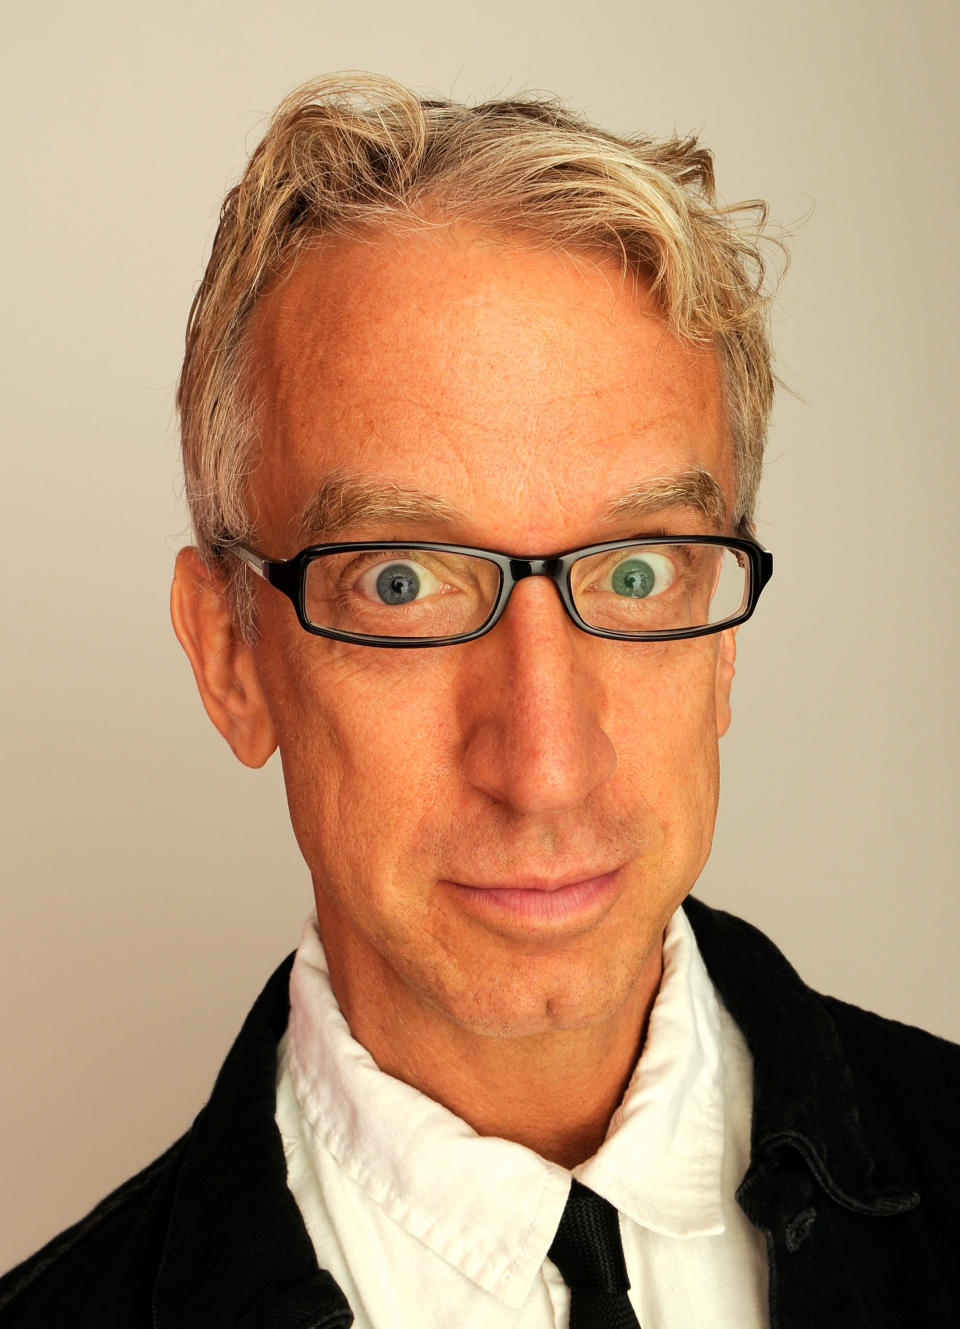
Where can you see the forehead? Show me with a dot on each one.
(528, 388)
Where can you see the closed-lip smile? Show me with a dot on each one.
(542, 900)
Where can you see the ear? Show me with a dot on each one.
(223, 665)
(726, 668)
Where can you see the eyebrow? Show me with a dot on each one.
(695, 489)
(344, 501)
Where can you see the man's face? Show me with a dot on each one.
(435, 792)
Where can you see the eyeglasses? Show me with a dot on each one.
(393, 593)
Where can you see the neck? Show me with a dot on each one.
(553, 1092)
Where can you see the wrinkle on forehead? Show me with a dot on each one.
(504, 382)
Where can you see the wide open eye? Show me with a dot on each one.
(640, 574)
(636, 588)
(398, 582)
(399, 592)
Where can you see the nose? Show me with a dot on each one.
(533, 704)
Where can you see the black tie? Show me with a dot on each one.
(588, 1252)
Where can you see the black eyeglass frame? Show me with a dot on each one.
(289, 576)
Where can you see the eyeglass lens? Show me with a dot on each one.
(417, 592)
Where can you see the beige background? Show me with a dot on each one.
(149, 882)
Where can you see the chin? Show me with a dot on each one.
(527, 1000)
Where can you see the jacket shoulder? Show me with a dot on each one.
(876, 1098)
(202, 1232)
(906, 1075)
(889, 1042)
(118, 1244)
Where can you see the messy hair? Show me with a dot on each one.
(347, 153)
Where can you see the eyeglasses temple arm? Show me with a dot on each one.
(252, 560)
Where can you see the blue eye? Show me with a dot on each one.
(397, 584)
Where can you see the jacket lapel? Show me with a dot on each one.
(237, 1252)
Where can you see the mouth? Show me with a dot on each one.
(541, 901)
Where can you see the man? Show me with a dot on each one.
(473, 411)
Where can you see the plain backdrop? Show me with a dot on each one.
(150, 883)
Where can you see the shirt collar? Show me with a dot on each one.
(662, 1161)
(490, 1207)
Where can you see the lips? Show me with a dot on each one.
(541, 900)
(533, 883)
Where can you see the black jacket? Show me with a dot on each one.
(853, 1179)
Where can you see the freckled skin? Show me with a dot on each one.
(529, 390)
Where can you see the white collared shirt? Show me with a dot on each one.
(424, 1223)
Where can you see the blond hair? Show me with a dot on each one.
(349, 152)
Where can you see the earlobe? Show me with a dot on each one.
(223, 665)
(726, 668)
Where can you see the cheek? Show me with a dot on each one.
(360, 735)
(665, 698)
(662, 719)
